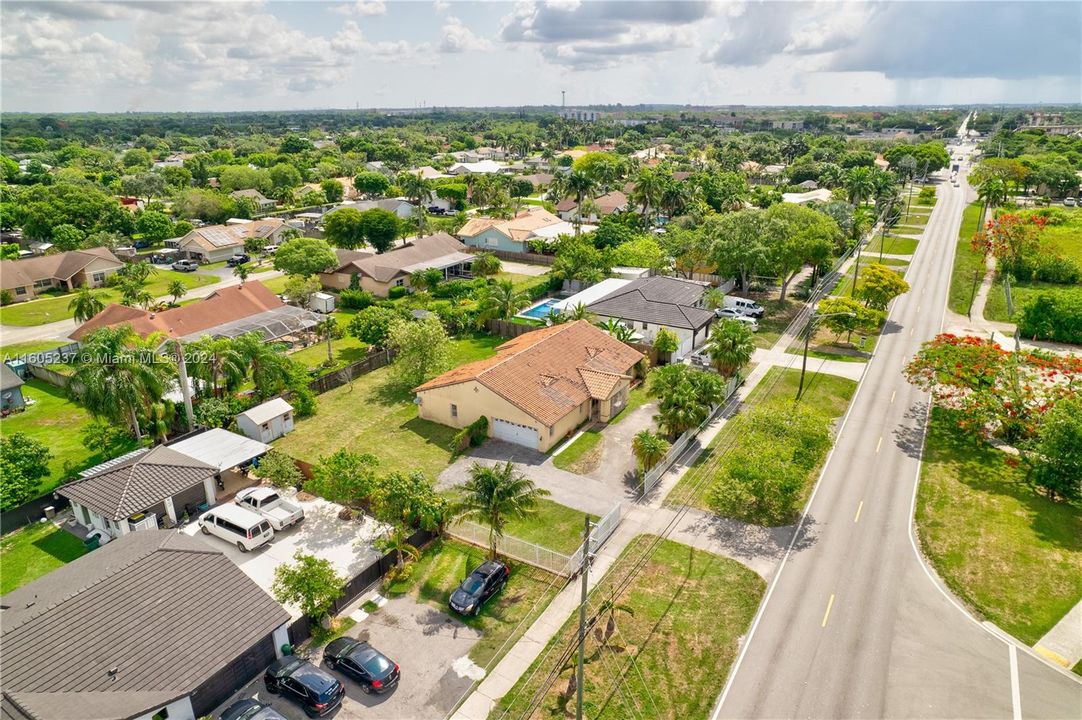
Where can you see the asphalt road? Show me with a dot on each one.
(855, 625)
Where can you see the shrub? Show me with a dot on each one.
(453, 289)
(280, 470)
(355, 299)
(397, 292)
(6, 297)
(1053, 316)
(926, 195)
(470, 436)
(1046, 267)
(372, 324)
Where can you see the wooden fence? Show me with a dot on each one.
(526, 257)
(338, 378)
(508, 329)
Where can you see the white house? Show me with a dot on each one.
(268, 421)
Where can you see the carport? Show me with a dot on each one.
(223, 450)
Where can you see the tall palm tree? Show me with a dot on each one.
(177, 289)
(649, 186)
(501, 301)
(326, 329)
(730, 346)
(217, 362)
(648, 448)
(586, 207)
(160, 420)
(266, 363)
(992, 193)
(859, 184)
(85, 304)
(414, 187)
(495, 495)
(117, 374)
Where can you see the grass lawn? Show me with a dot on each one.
(892, 245)
(370, 415)
(52, 308)
(966, 262)
(554, 526)
(446, 563)
(1011, 554)
(581, 456)
(1067, 237)
(58, 422)
(346, 349)
(907, 230)
(31, 552)
(635, 399)
(776, 318)
(672, 647)
(276, 285)
(828, 393)
(14, 350)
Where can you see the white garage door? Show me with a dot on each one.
(513, 432)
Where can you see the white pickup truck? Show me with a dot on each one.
(280, 512)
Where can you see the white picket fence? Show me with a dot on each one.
(602, 531)
(512, 547)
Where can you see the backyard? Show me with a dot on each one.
(54, 307)
(1011, 554)
(677, 629)
(29, 553)
(371, 415)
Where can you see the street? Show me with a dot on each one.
(855, 624)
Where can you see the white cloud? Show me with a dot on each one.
(441, 5)
(459, 38)
(361, 7)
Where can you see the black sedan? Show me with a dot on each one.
(374, 671)
(249, 709)
(316, 691)
(483, 583)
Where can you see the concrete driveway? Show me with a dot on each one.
(618, 468)
(347, 544)
(430, 647)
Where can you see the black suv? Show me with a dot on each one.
(238, 259)
(249, 709)
(483, 583)
(375, 672)
(318, 692)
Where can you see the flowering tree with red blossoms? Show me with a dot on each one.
(1010, 237)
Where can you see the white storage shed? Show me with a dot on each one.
(267, 421)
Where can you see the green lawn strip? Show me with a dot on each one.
(828, 393)
(276, 285)
(776, 318)
(1021, 293)
(554, 526)
(582, 455)
(1067, 237)
(907, 230)
(33, 551)
(892, 245)
(1008, 552)
(677, 635)
(635, 399)
(967, 263)
(54, 307)
(340, 627)
(15, 350)
(371, 415)
(58, 422)
(444, 564)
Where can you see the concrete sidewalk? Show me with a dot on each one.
(1063, 643)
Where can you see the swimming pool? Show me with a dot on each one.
(540, 311)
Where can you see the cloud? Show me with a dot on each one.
(441, 5)
(361, 7)
(459, 38)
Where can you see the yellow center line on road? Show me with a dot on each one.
(856, 518)
(830, 604)
(879, 444)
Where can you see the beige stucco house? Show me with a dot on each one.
(26, 279)
(214, 243)
(538, 387)
(378, 273)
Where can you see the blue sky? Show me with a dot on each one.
(162, 55)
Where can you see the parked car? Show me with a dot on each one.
(374, 671)
(1069, 201)
(249, 709)
(731, 314)
(434, 210)
(315, 690)
(238, 259)
(744, 306)
(185, 266)
(280, 512)
(484, 582)
(270, 249)
(235, 524)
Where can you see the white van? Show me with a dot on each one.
(238, 525)
(744, 306)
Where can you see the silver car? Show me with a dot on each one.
(732, 314)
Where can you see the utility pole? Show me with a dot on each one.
(185, 388)
(804, 363)
(582, 617)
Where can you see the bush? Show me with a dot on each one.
(454, 289)
(1053, 316)
(372, 324)
(280, 470)
(926, 195)
(470, 436)
(397, 292)
(1046, 267)
(355, 299)
(6, 297)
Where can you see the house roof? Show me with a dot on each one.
(520, 227)
(267, 411)
(658, 300)
(8, 378)
(166, 610)
(440, 250)
(140, 483)
(539, 179)
(217, 237)
(222, 306)
(607, 204)
(548, 373)
(62, 266)
(251, 193)
(220, 448)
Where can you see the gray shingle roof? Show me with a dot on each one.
(658, 300)
(164, 608)
(9, 379)
(139, 483)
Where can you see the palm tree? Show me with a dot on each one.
(242, 272)
(713, 298)
(617, 329)
(992, 192)
(85, 304)
(326, 329)
(485, 263)
(160, 420)
(397, 541)
(117, 374)
(177, 289)
(648, 448)
(649, 186)
(579, 312)
(859, 184)
(730, 346)
(609, 607)
(218, 362)
(501, 301)
(586, 207)
(414, 187)
(495, 495)
(266, 363)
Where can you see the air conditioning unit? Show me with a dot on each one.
(143, 521)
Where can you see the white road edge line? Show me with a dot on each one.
(1016, 696)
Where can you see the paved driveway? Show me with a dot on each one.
(618, 468)
(429, 646)
(347, 544)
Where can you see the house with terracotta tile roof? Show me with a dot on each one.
(26, 279)
(538, 387)
(607, 204)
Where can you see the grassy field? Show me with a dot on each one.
(52, 308)
(966, 262)
(554, 526)
(582, 455)
(446, 563)
(677, 631)
(29, 553)
(371, 415)
(892, 245)
(345, 350)
(15, 350)
(1067, 238)
(777, 317)
(1011, 554)
(828, 393)
(58, 422)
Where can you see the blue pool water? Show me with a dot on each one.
(540, 312)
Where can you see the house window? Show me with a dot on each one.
(42, 284)
(644, 326)
(454, 410)
(399, 282)
(20, 290)
(98, 278)
(492, 242)
(266, 426)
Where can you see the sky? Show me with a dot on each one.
(219, 56)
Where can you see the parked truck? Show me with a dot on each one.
(279, 512)
(744, 306)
